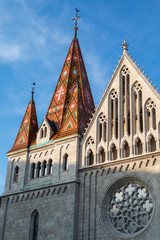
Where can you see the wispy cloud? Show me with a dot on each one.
(60, 38)
(10, 52)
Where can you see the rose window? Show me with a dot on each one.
(130, 208)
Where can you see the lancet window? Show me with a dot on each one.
(126, 150)
(90, 157)
(113, 152)
(33, 168)
(49, 171)
(151, 114)
(138, 147)
(65, 163)
(43, 131)
(151, 144)
(102, 127)
(38, 169)
(125, 100)
(16, 173)
(34, 225)
(44, 168)
(114, 114)
(137, 102)
(101, 155)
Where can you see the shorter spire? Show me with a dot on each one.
(75, 19)
(29, 126)
(125, 46)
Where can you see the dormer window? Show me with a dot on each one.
(43, 132)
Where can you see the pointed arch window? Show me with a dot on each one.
(101, 155)
(16, 173)
(152, 144)
(151, 114)
(45, 131)
(138, 113)
(126, 150)
(50, 167)
(33, 167)
(114, 114)
(38, 169)
(125, 100)
(44, 168)
(90, 158)
(102, 121)
(113, 152)
(41, 133)
(34, 225)
(65, 164)
(138, 147)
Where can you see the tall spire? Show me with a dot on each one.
(72, 103)
(75, 19)
(29, 126)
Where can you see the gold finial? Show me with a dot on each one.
(75, 20)
(33, 87)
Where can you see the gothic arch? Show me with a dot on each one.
(34, 225)
(102, 127)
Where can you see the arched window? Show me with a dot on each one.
(33, 167)
(65, 164)
(90, 157)
(38, 169)
(34, 225)
(138, 113)
(125, 100)
(16, 172)
(114, 114)
(41, 133)
(151, 114)
(45, 131)
(102, 121)
(101, 155)
(44, 167)
(138, 147)
(126, 151)
(113, 152)
(50, 167)
(152, 144)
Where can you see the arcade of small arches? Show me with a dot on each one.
(41, 169)
(136, 120)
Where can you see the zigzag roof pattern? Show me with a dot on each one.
(28, 129)
(72, 103)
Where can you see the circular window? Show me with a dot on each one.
(128, 207)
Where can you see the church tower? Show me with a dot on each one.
(43, 163)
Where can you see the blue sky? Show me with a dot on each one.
(35, 37)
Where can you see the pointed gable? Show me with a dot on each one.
(28, 128)
(72, 103)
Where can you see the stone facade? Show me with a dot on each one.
(102, 185)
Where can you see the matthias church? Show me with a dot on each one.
(86, 173)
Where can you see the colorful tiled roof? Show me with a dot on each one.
(72, 103)
(28, 128)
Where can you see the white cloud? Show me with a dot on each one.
(10, 52)
(60, 38)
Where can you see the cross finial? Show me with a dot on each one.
(33, 87)
(125, 46)
(75, 19)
